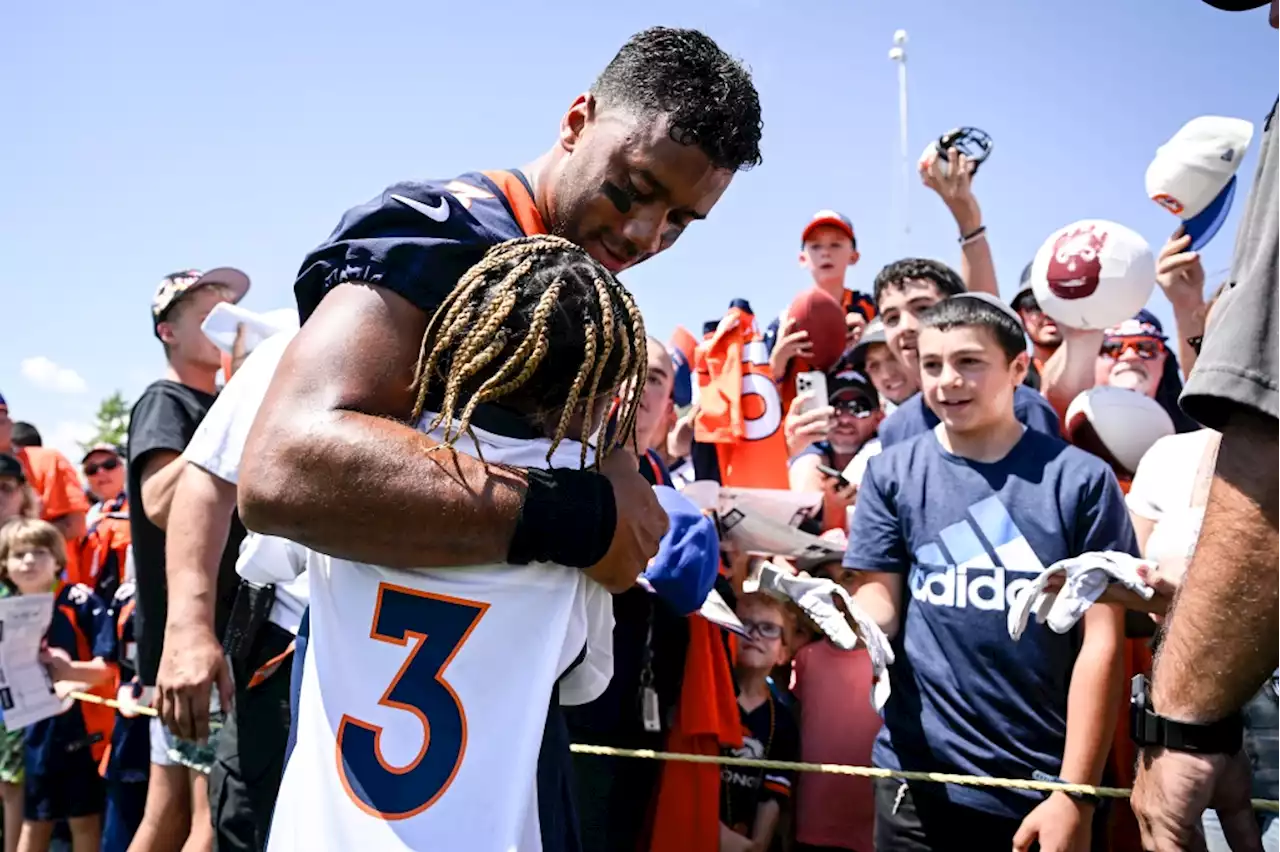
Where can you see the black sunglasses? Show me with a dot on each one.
(110, 464)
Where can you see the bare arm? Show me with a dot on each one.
(330, 454)
(953, 181)
(1221, 639)
(804, 474)
(1069, 371)
(1094, 697)
(201, 513)
(159, 482)
(1142, 528)
(880, 596)
(767, 816)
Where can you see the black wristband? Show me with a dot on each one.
(568, 517)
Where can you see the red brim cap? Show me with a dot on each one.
(835, 220)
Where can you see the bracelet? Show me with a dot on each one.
(568, 517)
(1083, 798)
(975, 234)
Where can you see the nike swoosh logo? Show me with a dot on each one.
(437, 213)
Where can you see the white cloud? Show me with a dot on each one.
(66, 438)
(45, 374)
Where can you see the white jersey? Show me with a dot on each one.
(425, 695)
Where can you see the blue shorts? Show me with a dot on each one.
(74, 789)
(126, 800)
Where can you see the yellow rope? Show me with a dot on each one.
(1269, 805)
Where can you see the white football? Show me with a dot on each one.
(1092, 274)
(1125, 421)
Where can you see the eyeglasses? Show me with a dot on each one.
(763, 629)
(110, 464)
(1144, 348)
(1195, 343)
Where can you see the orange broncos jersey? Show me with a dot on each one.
(740, 410)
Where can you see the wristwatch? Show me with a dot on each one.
(1149, 728)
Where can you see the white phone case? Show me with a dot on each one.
(811, 388)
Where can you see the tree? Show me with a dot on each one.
(112, 425)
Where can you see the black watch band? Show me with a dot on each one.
(1148, 728)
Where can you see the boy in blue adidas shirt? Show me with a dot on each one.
(949, 526)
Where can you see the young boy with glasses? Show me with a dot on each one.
(751, 800)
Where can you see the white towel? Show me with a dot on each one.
(1086, 578)
(816, 598)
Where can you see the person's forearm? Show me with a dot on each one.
(200, 521)
(372, 490)
(1188, 321)
(1220, 643)
(976, 266)
(1094, 697)
(71, 525)
(767, 816)
(90, 672)
(1069, 372)
(158, 490)
(875, 599)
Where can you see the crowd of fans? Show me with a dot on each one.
(946, 404)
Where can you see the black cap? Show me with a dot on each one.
(11, 467)
(848, 383)
(1237, 5)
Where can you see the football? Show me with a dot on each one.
(823, 318)
(1092, 274)
(1118, 423)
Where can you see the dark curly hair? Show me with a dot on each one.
(706, 93)
(948, 282)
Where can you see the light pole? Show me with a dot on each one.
(898, 54)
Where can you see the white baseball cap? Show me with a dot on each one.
(1193, 175)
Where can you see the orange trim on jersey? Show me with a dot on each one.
(270, 667)
(98, 718)
(780, 789)
(522, 203)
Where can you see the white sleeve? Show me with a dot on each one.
(587, 681)
(1145, 498)
(267, 560)
(219, 440)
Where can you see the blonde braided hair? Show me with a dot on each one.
(512, 325)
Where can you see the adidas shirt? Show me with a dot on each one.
(966, 536)
(425, 695)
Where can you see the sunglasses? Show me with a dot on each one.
(1145, 348)
(856, 406)
(763, 629)
(110, 464)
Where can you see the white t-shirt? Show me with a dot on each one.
(218, 446)
(425, 694)
(1163, 489)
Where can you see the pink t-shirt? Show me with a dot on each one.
(837, 725)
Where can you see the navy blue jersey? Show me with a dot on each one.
(418, 237)
(82, 628)
(130, 755)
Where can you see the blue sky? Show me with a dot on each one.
(144, 137)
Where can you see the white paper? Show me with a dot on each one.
(220, 325)
(26, 692)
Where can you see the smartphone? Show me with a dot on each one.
(811, 388)
(832, 473)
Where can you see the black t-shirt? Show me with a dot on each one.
(769, 732)
(164, 418)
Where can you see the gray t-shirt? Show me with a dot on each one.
(1237, 366)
